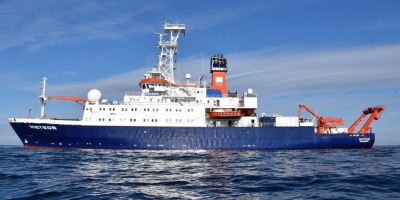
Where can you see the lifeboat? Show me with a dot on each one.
(224, 114)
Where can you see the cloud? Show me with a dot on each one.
(341, 69)
(112, 87)
(317, 76)
(297, 72)
(46, 23)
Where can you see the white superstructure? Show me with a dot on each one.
(170, 105)
(163, 101)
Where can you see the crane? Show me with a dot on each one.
(324, 123)
(81, 101)
(375, 114)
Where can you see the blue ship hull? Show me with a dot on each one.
(184, 138)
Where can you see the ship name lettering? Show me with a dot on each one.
(364, 139)
(43, 127)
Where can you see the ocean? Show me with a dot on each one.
(126, 174)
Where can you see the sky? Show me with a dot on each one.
(338, 57)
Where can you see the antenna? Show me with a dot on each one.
(43, 98)
(201, 79)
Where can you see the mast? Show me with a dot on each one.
(43, 98)
(169, 49)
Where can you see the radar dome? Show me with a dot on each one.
(94, 95)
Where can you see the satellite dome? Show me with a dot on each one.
(94, 95)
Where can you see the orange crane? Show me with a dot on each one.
(324, 123)
(81, 101)
(375, 114)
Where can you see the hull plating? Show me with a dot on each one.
(181, 138)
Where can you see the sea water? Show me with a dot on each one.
(126, 174)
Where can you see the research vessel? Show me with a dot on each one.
(168, 114)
